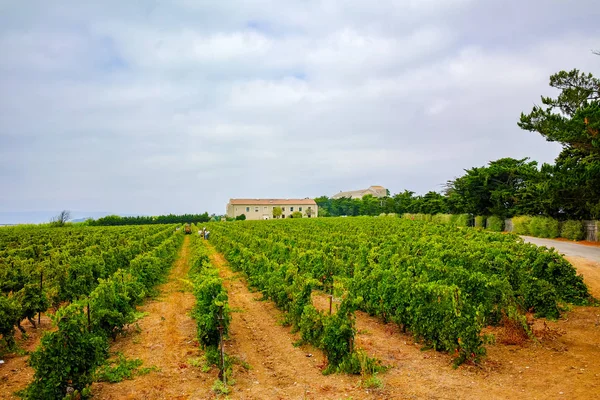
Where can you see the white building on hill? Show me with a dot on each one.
(376, 191)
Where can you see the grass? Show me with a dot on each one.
(220, 388)
(121, 368)
(372, 382)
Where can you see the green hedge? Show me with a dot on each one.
(544, 227)
(479, 222)
(495, 224)
(572, 230)
(521, 225)
(461, 219)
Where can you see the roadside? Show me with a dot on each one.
(570, 249)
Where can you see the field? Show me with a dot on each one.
(320, 308)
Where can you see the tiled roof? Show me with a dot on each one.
(274, 202)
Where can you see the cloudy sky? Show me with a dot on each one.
(176, 106)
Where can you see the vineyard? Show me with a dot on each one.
(441, 284)
(92, 279)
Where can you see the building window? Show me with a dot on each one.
(299, 208)
(247, 209)
(265, 208)
(282, 208)
(255, 209)
(282, 215)
(291, 208)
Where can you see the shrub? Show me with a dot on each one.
(460, 219)
(479, 222)
(418, 217)
(442, 218)
(296, 214)
(572, 230)
(10, 311)
(495, 224)
(66, 357)
(211, 303)
(241, 217)
(544, 227)
(521, 225)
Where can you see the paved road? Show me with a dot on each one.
(567, 248)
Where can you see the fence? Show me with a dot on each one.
(591, 230)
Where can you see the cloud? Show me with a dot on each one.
(158, 107)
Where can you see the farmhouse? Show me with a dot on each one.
(376, 191)
(263, 208)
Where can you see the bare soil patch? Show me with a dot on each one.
(590, 271)
(15, 374)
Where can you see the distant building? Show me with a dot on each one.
(263, 208)
(376, 191)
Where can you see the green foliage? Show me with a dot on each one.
(359, 362)
(479, 222)
(572, 230)
(495, 224)
(115, 220)
(441, 282)
(372, 382)
(10, 312)
(461, 220)
(277, 211)
(296, 214)
(32, 300)
(521, 225)
(544, 227)
(441, 218)
(211, 297)
(211, 302)
(113, 303)
(241, 217)
(572, 119)
(502, 188)
(220, 388)
(67, 357)
(114, 371)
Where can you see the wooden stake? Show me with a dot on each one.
(222, 374)
(41, 289)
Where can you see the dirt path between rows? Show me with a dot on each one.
(278, 369)
(15, 374)
(165, 339)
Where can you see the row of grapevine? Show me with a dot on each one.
(442, 282)
(65, 361)
(211, 297)
(290, 289)
(62, 265)
(211, 310)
